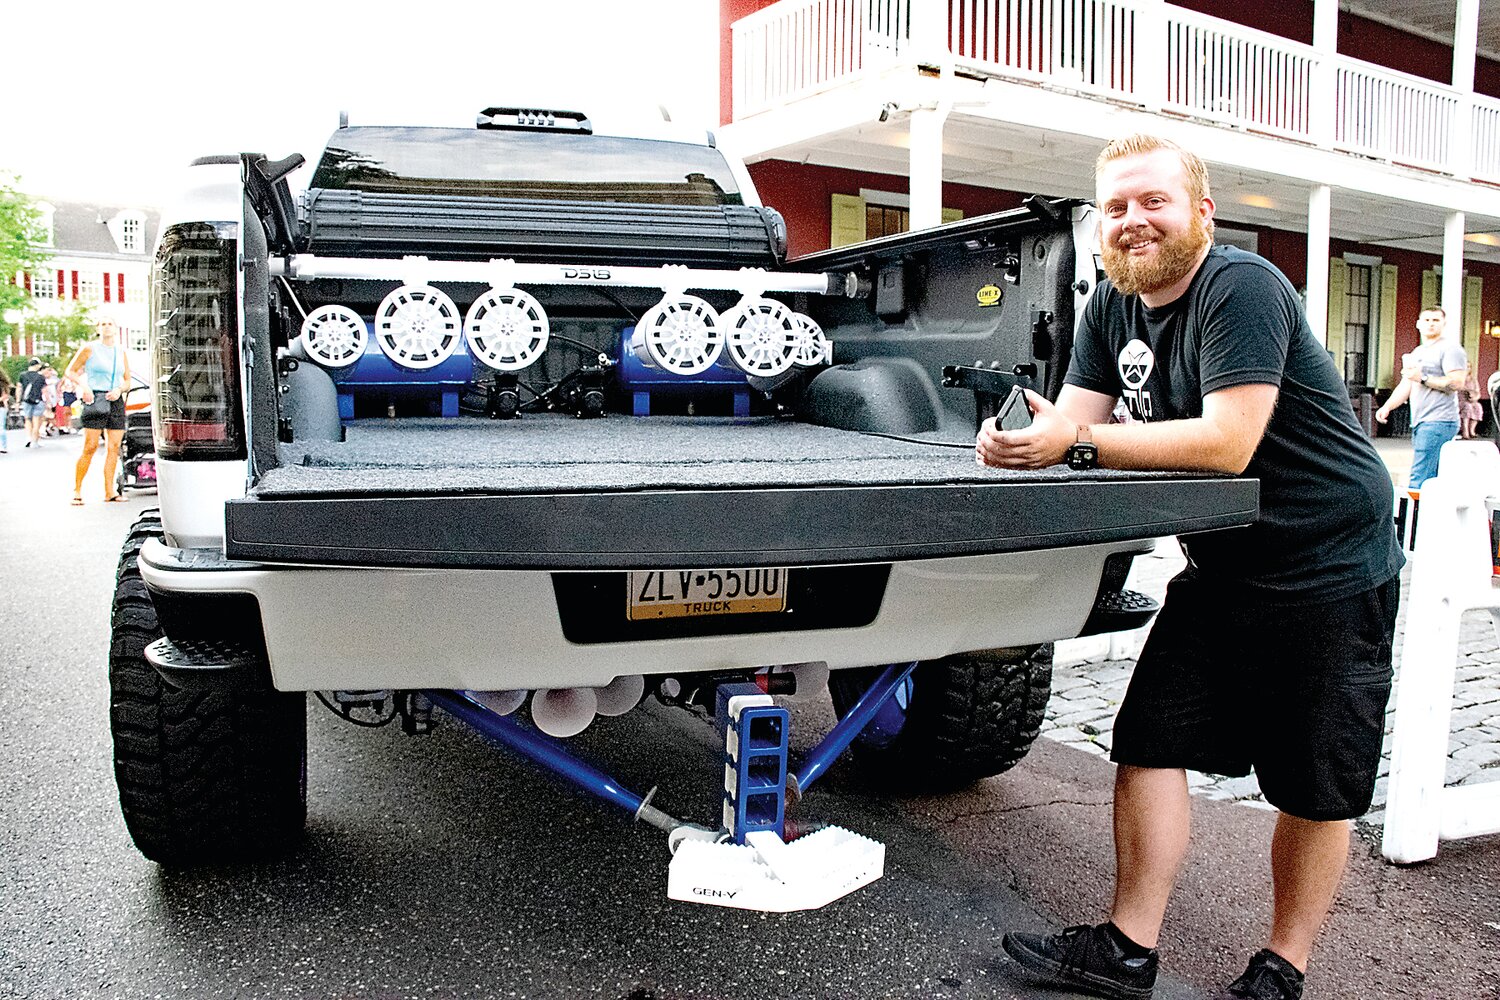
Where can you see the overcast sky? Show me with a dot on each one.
(107, 101)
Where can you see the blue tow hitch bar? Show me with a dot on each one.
(551, 754)
(822, 756)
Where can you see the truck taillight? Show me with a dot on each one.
(195, 352)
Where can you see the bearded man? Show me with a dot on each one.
(1272, 651)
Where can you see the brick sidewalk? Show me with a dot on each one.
(1090, 676)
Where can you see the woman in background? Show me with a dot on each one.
(1470, 413)
(101, 367)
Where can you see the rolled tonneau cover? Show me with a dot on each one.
(361, 223)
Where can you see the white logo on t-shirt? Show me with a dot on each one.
(1136, 363)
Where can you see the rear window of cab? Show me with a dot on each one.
(529, 165)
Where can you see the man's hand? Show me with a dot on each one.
(1042, 444)
(1381, 415)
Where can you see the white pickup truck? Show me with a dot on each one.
(539, 410)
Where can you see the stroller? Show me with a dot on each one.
(137, 468)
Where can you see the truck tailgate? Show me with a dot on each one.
(681, 492)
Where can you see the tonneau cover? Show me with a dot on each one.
(362, 223)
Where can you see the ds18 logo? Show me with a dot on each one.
(587, 273)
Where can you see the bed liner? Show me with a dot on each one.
(553, 453)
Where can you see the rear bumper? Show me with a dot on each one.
(333, 628)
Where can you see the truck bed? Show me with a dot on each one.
(553, 453)
(561, 493)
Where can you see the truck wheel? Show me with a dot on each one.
(958, 719)
(205, 777)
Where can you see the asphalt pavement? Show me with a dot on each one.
(438, 866)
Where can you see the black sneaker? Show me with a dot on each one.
(1269, 977)
(1085, 959)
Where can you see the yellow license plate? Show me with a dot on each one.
(690, 593)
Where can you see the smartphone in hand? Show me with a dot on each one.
(1015, 412)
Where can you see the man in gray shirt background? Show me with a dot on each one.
(1431, 376)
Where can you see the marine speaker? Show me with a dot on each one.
(334, 336)
(813, 346)
(506, 329)
(680, 334)
(761, 336)
(417, 326)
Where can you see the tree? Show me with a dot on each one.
(22, 239)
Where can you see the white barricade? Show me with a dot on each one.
(1452, 572)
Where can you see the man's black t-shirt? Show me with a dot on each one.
(32, 384)
(1325, 528)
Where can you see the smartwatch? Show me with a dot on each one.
(1083, 453)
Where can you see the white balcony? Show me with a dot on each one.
(1134, 52)
(1021, 94)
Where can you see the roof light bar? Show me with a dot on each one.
(534, 120)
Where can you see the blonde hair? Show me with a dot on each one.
(1136, 145)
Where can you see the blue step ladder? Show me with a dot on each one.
(755, 735)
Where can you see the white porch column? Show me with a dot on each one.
(1465, 41)
(926, 171)
(928, 40)
(1319, 224)
(1453, 271)
(1151, 53)
(1322, 102)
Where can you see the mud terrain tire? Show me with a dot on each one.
(969, 716)
(205, 777)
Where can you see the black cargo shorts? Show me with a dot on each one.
(1295, 692)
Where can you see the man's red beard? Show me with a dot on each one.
(1175, 256)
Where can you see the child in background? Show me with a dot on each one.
(62, 409)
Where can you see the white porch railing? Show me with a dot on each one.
(1238, 76)
(1144, 51)
(1084, 44)
(1487, 138)
(797, 48)
(1394, 116)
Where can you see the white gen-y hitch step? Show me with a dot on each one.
(749, 866)
(766, 873)
(745, 863)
